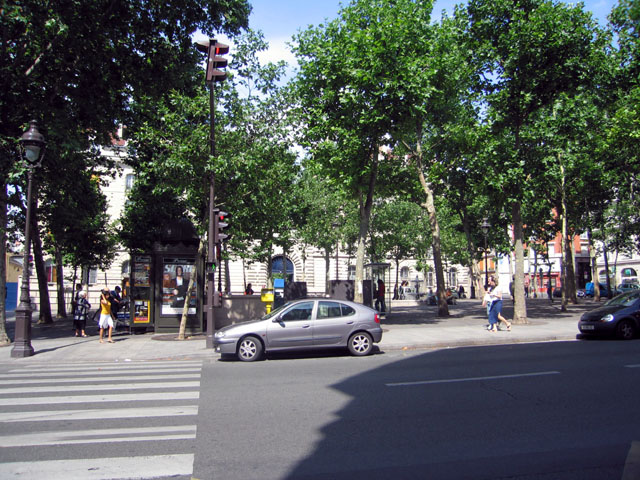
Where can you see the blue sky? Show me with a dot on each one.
(279, 20)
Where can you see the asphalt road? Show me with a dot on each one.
(563, 410)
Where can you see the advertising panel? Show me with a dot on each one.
(176, 274)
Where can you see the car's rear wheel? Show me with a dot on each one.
(360, 344)
(249, 349)
(626, 330)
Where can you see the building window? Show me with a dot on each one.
(429, 279)
(352, 272)
(93, 276)
(51, 272)
(282, 267)
(404, 273)
(629, 275)
(129, 180)
(453, 277)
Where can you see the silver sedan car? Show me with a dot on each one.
(303, 324)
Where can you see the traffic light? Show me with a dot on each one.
(214, 61)
(219, 225)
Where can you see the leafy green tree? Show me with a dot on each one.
(346, 106)
(77, 66)
(527, 55)
(395, 228)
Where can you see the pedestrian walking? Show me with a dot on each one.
(495, 315)
(550, 292)
(380, 303)
(80, 314)
(106, 320)
(116, 300)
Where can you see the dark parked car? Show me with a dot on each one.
(619, 316)
(303, 324)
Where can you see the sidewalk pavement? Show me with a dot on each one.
(409, 325)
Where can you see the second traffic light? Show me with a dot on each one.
(219, 225)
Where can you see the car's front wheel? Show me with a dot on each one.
(626, 330)
(360, 344)
(249, 349)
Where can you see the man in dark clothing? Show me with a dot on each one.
(380, 303)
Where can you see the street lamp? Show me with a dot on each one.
(485, 230)
(34, 147)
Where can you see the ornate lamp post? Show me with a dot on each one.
(34, 146)
(485, 230)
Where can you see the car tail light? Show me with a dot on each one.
(376, 318)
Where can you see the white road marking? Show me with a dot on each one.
(55, 415)
(98, 372)
(633, 366)
(132, 397)
(101, 468)
(122, 378)
(90, 387)
(471, 379)
(109, 366)
(106, 435)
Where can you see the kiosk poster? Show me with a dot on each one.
(141, 311)
(141, 271)
(175, 280)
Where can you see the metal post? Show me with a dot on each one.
(486, 263)
(22, 340)
(211, 254)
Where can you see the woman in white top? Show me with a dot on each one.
(495, 317)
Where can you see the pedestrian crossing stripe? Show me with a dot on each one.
(106, 366)
(96, 435)
(20, 380)
(91, 387)
(101, 413)
(101, 468)
(133, 397)
(101, 371)
(64, 386)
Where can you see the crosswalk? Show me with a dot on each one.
(99, 421)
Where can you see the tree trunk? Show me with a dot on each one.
(187, 298)
(471, 249)
(594, 262)
(4, 338)
(519, 307)
(572, 292)
(38, 258)
(563, 213)
(605, 255)
(327, 267)
(62, 310)
(429, 205)
(365, 217)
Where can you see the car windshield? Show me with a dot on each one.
(275, 312)
(625, 299)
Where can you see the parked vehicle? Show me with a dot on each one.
(619, 316)
(302, 325)
(590, 290)
(627, 287)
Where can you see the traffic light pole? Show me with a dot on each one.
(213, 75)
(211, 254)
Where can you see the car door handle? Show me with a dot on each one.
(351, 322)
(306, 326)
